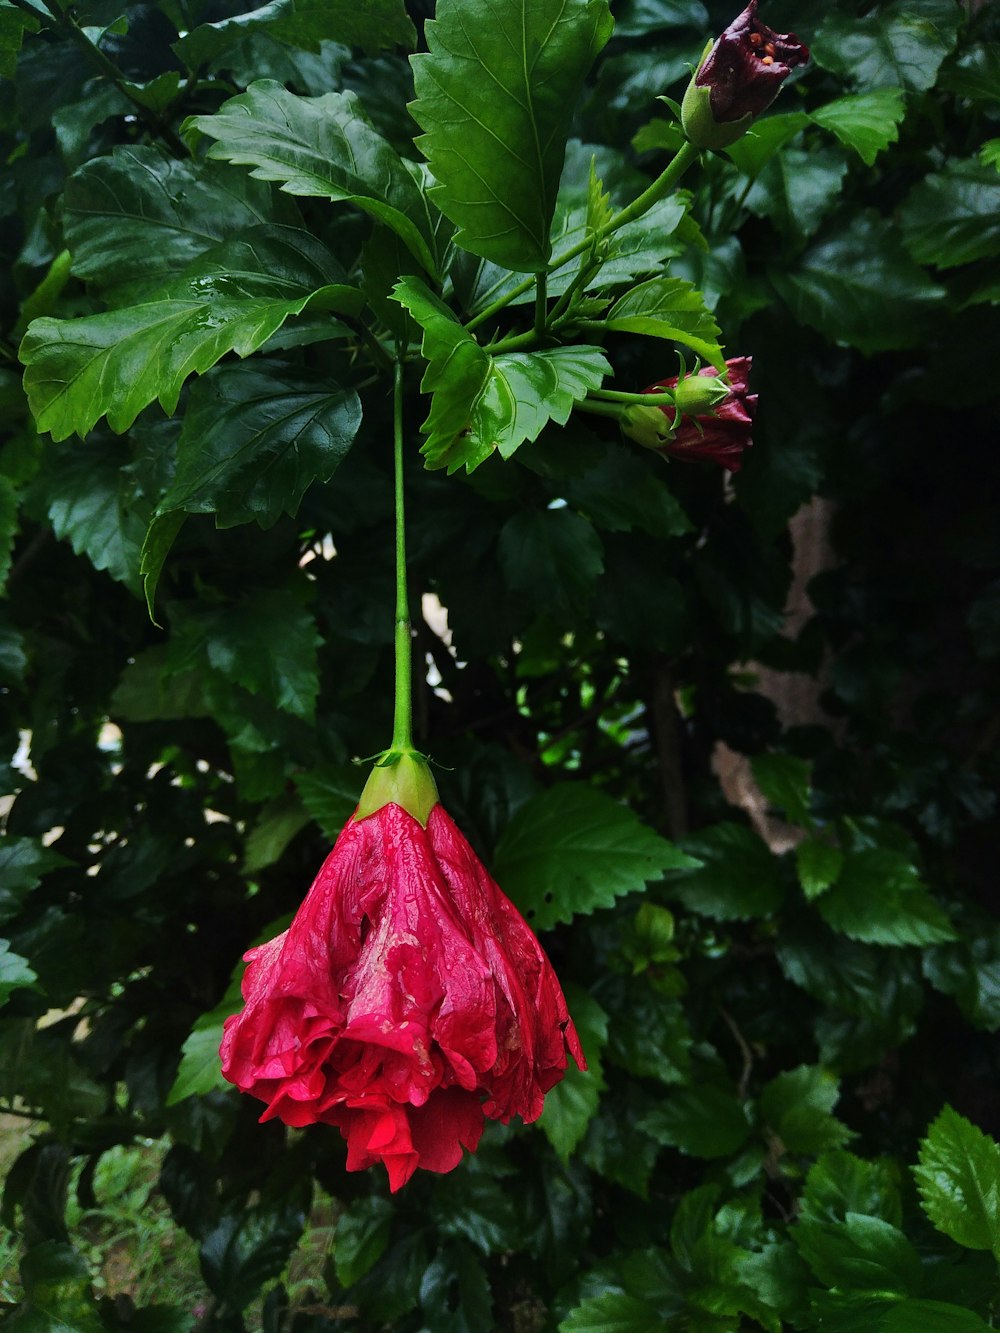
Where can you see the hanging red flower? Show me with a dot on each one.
(716, 416)
(407, 1000)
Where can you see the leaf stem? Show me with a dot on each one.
(663, 399)
(402, 722)
(666, 180)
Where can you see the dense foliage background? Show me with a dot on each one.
(779, 1033)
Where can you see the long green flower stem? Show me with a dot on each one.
(667, 179)
(663, 399)
(402, 722)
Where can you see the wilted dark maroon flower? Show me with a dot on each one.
(718, 436)
(407, 1000)
(739, 78)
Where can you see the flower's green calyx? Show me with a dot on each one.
(403, 779)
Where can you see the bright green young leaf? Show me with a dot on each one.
(818, 865)
(958, 1177)
(267, 643)
(840, 1183)
(324, 147)
(798, 1106)
(867, 122)
(254, 437)
(90, 505)
(200, 1070)
(737, 878)
(897, 45)
(572, 850)
(860, 287)
(931, 1317)
(496, 91)
(371, 26)
(551, 559)
(613, 1312)
(879, 898)
(138, 217)
(753, 152)
(231, 299)
(668, 308)
(570, 1106)
(953, 216)
(14, 972)
(784, 781)
(861, 1254)
(705, 1120)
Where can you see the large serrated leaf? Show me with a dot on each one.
(495, 94)
(551, 559)
(958, 1177)
(952, 216)
(324, 147)
(879, 899)
(668, 308)
(898, 45)
(866, 122)
(231, 299)
(573, 850)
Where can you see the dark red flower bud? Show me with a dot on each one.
(739, 77)
(719, 436)
(407, 1000)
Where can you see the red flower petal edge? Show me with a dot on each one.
(722, 435)
(407, 1000)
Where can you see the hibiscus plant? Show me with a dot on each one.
(423, 423)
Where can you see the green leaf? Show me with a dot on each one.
(613, 1312)
(138, 217)
(958, 1178)
(796, 189)
(866, 122)
(649, 1033)
(495, 93)
(975, 74)
(668, 308)
(752, 153)
(551, 558)
(455, 1292)
(200, 1070)
(59, 1298)
(865, 1255)
(156, 546)
(572, 850)
(623, 491)
(267, 643)
(23, 862)
(704, 1121)
(14, 23)
(818, 865)
(784, 781)
(879, 899)
(737, 878)
(246, 1249)
(370, 26)
(478, 1205)
(254, 438)
(861, 287)
(8, 526)
(840, 1183)
(330, 794)
(362, 1236)
(970, 971)
(570, 1105)
(15, 974)
(953, 216)
(90, 503)
(324, 147)
(931, 1317)
(898, 45)
(277, 824)
(798, 1106)
(232, 298)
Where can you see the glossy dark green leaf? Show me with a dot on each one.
(840, 1183)
(704, 1121)
(867, 122)
(455, 1292)
(953, 216)
(362, 1236)
(495, 93)
(970, 971)
(897, 45)
(244, 1250)
(324, 147)
(668, 308)
(974, 74)
(231, 299)
(59, 1296)
(879, 899)
(23, 862)
(797, 189)
(570, 1106)
(330, 794)
(768, 136)
(92, 506)
(818, 865)
(573, 850)
(798, 1106)
(624, 491)
(860, 287)
(738, 876)
(613, 1312)
(371, 26)
(551, 558)
(931, 1317)
(861, 1254)
(958, 1178)
(14, 23)
(784, 780)
(138, 217)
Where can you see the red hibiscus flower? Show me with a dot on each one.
(718, 435)
(408, 1000)
(738, 78)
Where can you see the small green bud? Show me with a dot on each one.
(698, 394)
(400, 779)
(648, 426)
